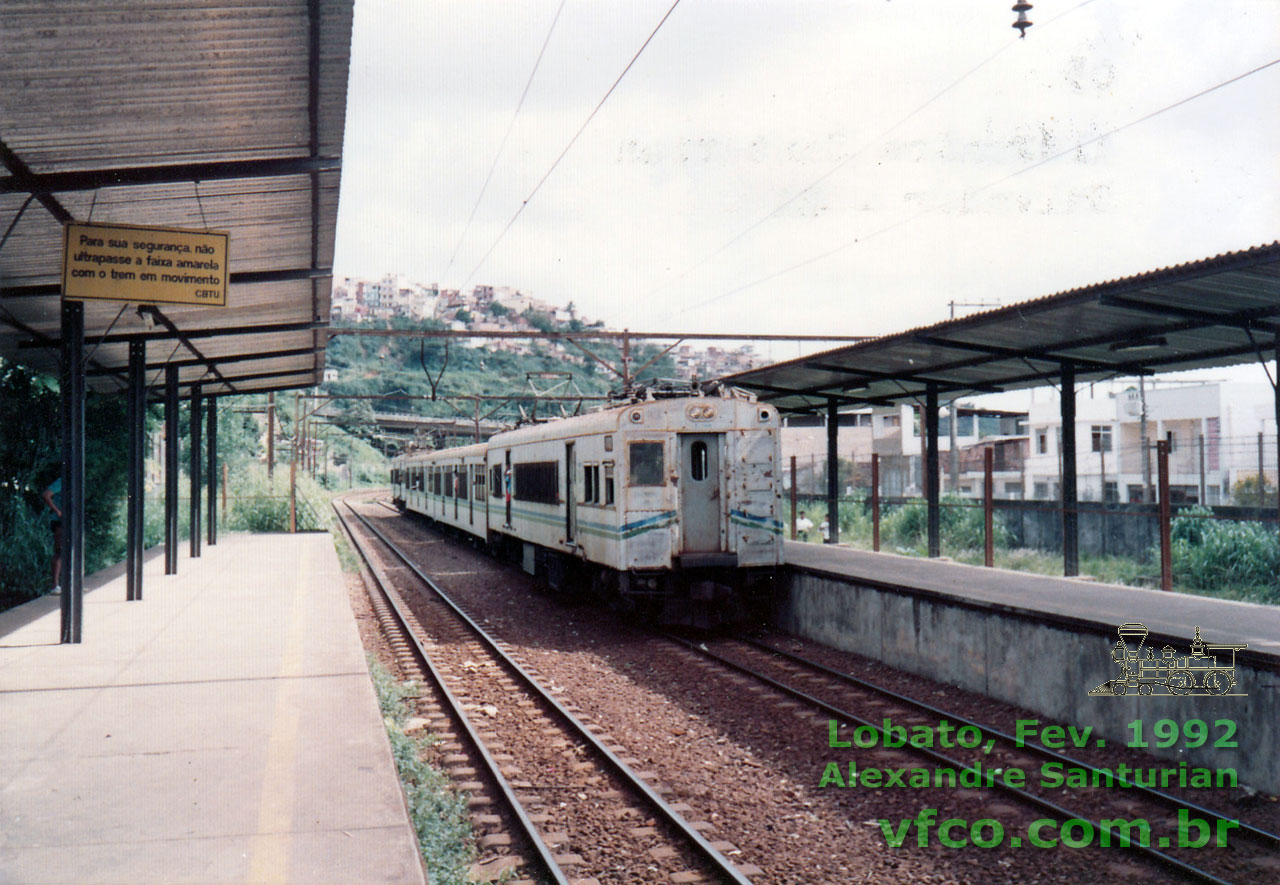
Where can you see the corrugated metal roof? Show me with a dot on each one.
(1216, 312)
(203, 115)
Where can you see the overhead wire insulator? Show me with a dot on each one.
(1021, 7)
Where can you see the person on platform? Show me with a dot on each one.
(804, 525)
(53, 499)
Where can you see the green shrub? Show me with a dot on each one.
(1240, 560)
(961, 522)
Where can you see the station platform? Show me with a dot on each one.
(1046, 644)
(1071, 602)
(223, 729)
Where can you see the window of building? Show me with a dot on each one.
(1100, 435)
(646, 464)
(1172, 439)
(892, 421)
(1013, 489)
(537, 481)
(1110, 492)
(1040, 491)
(1042, 446)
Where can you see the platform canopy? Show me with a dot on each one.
(205, 115)
(1217, 312)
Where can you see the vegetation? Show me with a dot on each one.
(1254, 491)
(30, 459)
(1236, 560)
(438, 815)
(1211, 557)
(403, 371)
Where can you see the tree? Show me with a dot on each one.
(1247, 492)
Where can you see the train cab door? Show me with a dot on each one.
(570, 496)
(700, 495)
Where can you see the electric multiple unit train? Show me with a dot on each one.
(670, 504)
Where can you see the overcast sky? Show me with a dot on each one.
(737, 106)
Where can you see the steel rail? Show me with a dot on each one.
(530, 831)
(1193, 872)
(1034, 746)
(723, 865)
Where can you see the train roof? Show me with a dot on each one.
(607, 420)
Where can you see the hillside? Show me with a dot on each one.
(400, 368)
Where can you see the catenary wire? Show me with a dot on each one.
(840, 164)
(968, 194)
(572, 140)
(502, 146)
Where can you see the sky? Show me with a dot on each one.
(804, 167)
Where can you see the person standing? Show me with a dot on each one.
(53, 499)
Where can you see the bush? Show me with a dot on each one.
(962, 524)
(259, 504)
(1235, 559)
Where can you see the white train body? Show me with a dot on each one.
(683, 486)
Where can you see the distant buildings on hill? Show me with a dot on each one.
(503, 309)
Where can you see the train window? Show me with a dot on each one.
(608, 485)
(646, 464)
(477, 479)
(460, 482)
(591, 484)
(538, 482)
(698, 461)
(446, 482)
(495, 481)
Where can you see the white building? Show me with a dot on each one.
(1212, 430)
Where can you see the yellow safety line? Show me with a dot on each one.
(269, 849)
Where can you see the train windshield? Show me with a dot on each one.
(646, 464)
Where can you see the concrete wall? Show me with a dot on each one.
(1041, 666)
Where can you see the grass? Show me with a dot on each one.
(438, 815)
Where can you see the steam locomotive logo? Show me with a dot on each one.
(1209, 669)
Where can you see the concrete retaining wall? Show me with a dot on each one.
(1041, 666)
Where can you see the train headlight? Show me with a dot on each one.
(637, 417)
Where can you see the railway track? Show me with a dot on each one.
(835, 694)
(573, 810)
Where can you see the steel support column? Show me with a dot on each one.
(1165, 513)
(931, 478)
(833, 474)
(1070, 518)
(137, 419)
(171, 470)
(875, 502)
(211, 468)
(197, 425)
(72, 392)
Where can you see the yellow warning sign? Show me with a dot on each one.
(149, 265)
